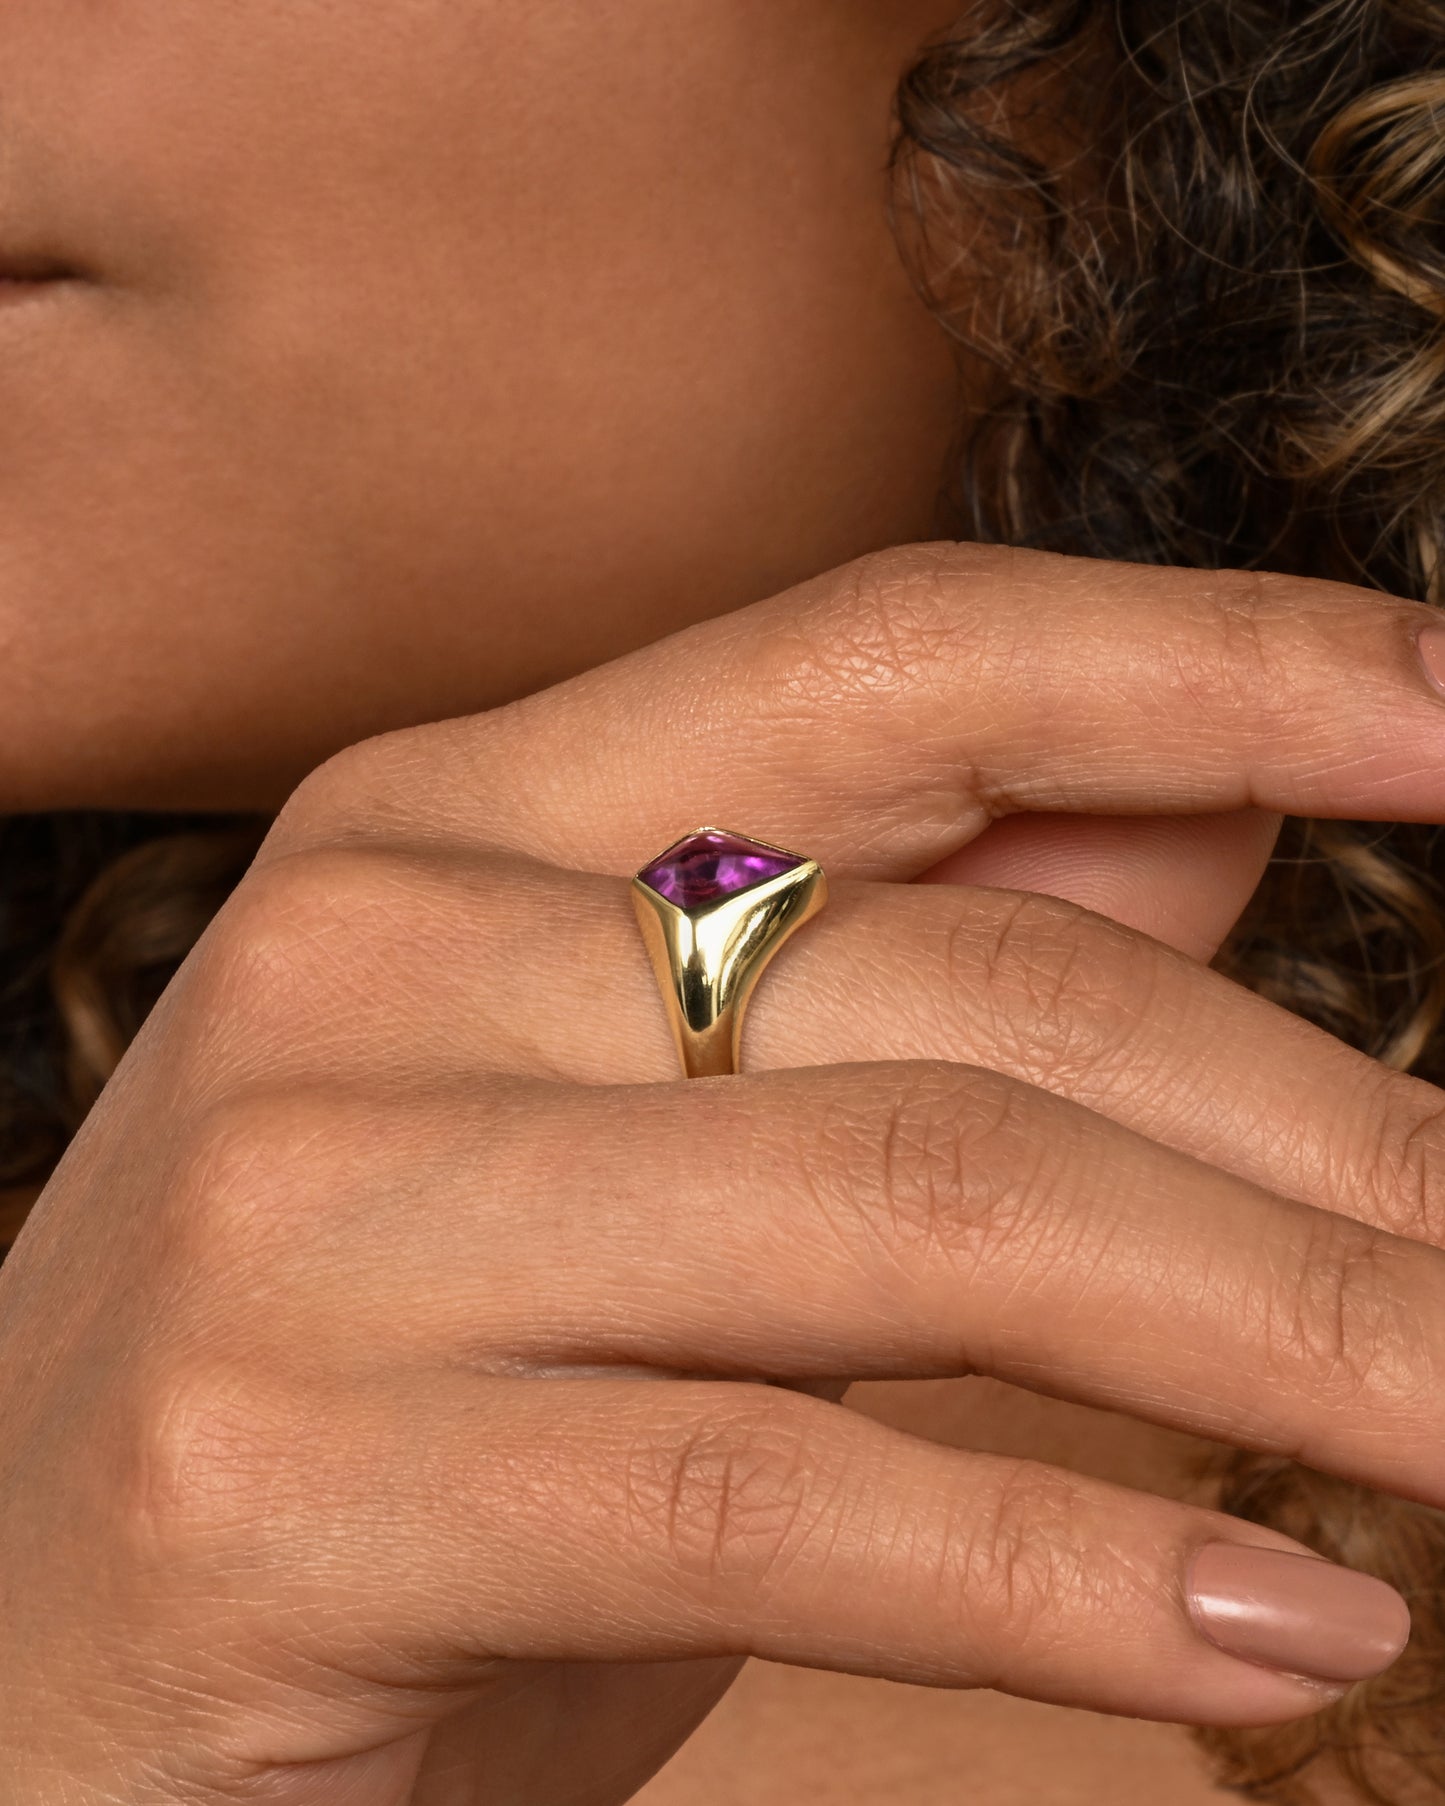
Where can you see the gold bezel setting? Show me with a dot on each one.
(708, 956)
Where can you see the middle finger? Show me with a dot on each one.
(459, 960)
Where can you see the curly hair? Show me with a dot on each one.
(97, 911)
(1202, 245)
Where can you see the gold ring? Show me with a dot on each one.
(714, 909)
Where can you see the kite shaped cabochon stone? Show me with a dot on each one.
(707, 867)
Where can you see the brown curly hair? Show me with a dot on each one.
(96, 913)
(1202, 244)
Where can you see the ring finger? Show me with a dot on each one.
(518, 966)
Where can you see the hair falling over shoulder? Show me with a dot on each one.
(1202, 245)
(1212, 243)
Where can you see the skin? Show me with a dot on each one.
(361, 1356)
(515, 347)
(397, 364)
(428, 353)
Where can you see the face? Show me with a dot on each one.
(407, 356)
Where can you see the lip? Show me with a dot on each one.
(24, 278)
(23, 288)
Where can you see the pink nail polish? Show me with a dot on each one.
(1431, 643)
(1295, 1613)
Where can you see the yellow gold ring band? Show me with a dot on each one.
(713, 909)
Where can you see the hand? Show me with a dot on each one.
(1184, 879)
(336, 1469)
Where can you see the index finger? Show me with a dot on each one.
(877, 718)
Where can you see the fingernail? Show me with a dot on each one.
(1431, 642)
(1296, 1612)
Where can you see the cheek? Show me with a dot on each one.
(439, 360)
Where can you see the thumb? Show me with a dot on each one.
(1185, 879)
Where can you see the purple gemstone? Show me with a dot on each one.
(704, 867)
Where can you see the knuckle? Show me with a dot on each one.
(1403, 1171)
(1341, 1320)
(244, 1178)
(892, 624)
(1016, 1557)
(1249, 624)
(404, 782)
(955, 1164)
(212, 1460)
(263, 942)
(304, 942)
(727, 1499)
(1225, 656)
(337, 796)
(1066, 992)
(1235, 657)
